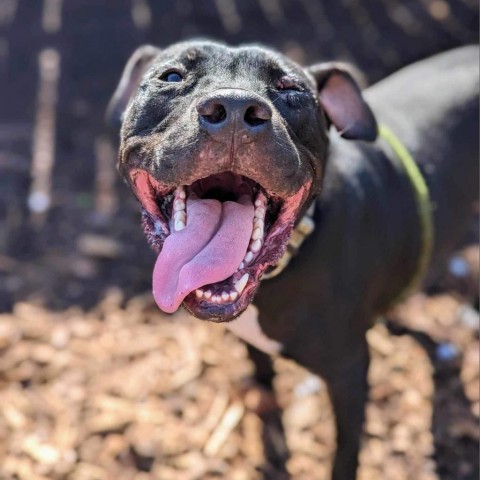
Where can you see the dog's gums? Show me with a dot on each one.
(214, 238)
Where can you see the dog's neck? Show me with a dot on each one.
(367, 219)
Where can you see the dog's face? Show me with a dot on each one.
(225, 148)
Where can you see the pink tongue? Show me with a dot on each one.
(209, 249)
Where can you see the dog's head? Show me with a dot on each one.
(225, 148)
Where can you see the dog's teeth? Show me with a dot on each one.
(242, 265)
(225, 296)
(180, 219)
(199, 293)
(233, 295)
(207, 294)
(257, 233)
(180, 216)
(261, 200)
(216, 299)
(256, 246)
(180, 193)
(179, 225)
(179, 205)
(258, 223)
(248, 257)
(259, 213)
(240, 284)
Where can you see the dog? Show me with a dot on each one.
(234, 152)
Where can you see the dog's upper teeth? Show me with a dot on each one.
(180, 215)
(258, 223)
(179, 205)
(180, 219)
(257, 233)
(180, 193)
(260, 213)
(248, 257)
(256, 245)
(179, 212)
(261, 200)
(240, 284)
(179, 226)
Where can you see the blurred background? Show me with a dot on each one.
(95, 383)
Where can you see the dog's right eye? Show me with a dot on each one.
(172, 76)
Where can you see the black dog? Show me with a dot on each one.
(227, 148)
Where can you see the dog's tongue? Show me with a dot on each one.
(209, 249)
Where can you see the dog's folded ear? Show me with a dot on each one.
(342, 101)
(129, 81)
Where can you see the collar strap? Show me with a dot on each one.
(424, 206)
(300, 233)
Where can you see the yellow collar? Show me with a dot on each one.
(300, 233)
(306, 225)
(424, 205)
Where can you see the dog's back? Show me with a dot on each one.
(433, 107)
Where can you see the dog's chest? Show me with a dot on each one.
(248, 328)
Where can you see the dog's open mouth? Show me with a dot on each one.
(215, 238)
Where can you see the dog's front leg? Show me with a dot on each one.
(348, 391)
(273, 434)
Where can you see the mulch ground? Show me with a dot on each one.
(124, 392)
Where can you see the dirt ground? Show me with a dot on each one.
(124, 392)
(96, 383)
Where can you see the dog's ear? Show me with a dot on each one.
(129, 81)
(341, 98)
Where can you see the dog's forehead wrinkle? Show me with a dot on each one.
(222, 59)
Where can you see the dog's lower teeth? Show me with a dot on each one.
(240, 284)
(225, 297)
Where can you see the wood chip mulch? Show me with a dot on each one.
(123, 392)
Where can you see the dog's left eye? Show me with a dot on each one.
(287, 83)
(172, 76)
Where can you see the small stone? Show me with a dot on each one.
(446, 352)
(458, 266)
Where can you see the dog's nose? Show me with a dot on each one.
(225, 111)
